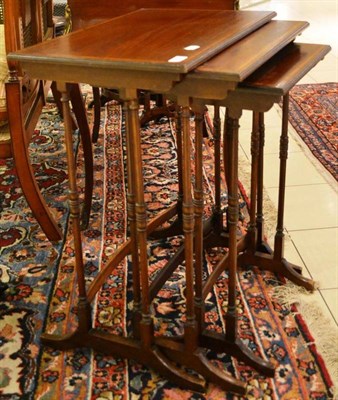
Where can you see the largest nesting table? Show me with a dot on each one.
(161, 50)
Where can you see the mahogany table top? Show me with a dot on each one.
(242, 58)
(148, 40)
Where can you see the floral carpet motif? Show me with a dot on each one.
(314, 115)
(43, 296)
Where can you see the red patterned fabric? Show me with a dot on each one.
(314, 115)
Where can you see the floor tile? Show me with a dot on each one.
(331, 298)
(319, 250)
(300, 171)
(309, 206)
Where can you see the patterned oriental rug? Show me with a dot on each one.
(43, 293)
(314, 115)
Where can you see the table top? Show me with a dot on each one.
(166, 40)
(242, 58)
(286, 68)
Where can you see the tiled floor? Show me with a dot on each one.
(311, 215)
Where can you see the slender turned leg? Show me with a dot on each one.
(146, 334)
(84, 314)
(81, 118)
(133, 230)
(231, 316)
(134, 151)
(189, 353)
(147, 105)
(97, 113)
(82, 123)
(198, 203)
(252, 229)
(283, 155)
(57, 99)
(227, 137)
(264, 257)
(230, 342)
(217, 212)
(261, 244)
(290, 271)
(190, 328)
(179, 161)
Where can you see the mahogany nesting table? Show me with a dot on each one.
(161, 50)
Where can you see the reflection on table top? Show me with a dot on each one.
(165, 40)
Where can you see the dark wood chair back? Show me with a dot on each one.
(86, 12)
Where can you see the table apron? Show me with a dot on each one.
(103, 77)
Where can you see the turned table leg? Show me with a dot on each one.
(133, 229)
(84, 312)
(198, 205)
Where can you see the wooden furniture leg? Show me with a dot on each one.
(143, 349)
(261, 243)
(289, 270)
(231, 315)
(97, 113)
(251, 237)
(84, 313)
(190, 328)
(24, 168)
(133, 231)
(188, 352)
(264, 257)
(81, 118)
(80, 122)
(217, 211)
(198, 206)
(146, 322)
(231, 343)
(57, 98)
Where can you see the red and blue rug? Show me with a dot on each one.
(314, 115)
(42, 294)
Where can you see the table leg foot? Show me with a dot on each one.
(279, 266)
(237, 349)
(198, 362)
(293, 273)
(175, 374)
(126, 348)
(60, 342)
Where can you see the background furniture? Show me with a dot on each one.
(85, 12)
(24, 23)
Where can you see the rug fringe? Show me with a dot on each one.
(325, 334)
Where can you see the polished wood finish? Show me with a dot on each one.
(244, 57)
(124, 48)
(237, 62)
(89, 12)
(151, 71)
